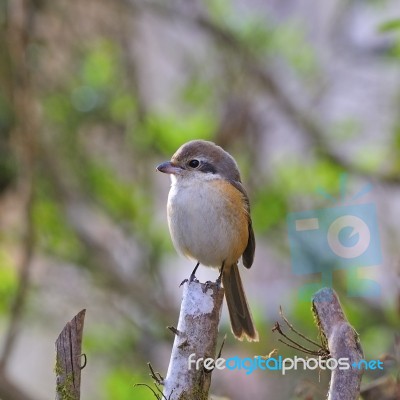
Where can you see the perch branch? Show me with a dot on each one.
(198, 327)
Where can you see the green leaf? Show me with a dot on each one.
(58, 108)
(289, 42)
(120, 385)
(269, 208)
(54, 235)
(219, 9)
(109, 340)
(8, 281)
(122, 107)
(346, 128)
(370, 158)
(197, 92)
(319, 174)
(169, 131)
(256, 34)
(121, 199)
(389, 26)
(100, 66)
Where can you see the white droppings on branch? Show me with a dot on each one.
(198, 302)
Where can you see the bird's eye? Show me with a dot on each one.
(194, 163)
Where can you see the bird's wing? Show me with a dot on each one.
(248, 254)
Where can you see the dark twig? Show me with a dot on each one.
(158, 378)
(291, 327)
(174, 330)
(221, 348)
(320, 351)
(295, 345)
(156, 395)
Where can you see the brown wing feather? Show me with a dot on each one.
(248, 254)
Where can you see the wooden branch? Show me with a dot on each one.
(68, 359)
(196, 334)
(343, 342)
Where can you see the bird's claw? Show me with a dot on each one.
(183, 282)
(191, 279)
(207, 286)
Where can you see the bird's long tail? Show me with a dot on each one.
(241, 320)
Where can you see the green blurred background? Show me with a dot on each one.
(94, 94)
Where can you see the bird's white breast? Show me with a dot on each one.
(203, 221)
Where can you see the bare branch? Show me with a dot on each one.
(342, 342)
(292, 328)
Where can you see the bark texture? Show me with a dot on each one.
(68, 359)
(196, 334)
(342, 341)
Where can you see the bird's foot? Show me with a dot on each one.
(183, 282)
(207, 286)
(192, 277)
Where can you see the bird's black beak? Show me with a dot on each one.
(169, 168)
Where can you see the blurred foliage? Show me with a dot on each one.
(8, 279)
(347, 129)
(262, 37)
(120, 199)
(106, 137)
(120, 385)
(169, 132)
(389, 26)
(110, 342)
(8, 163)
(286, 191)
(53, 234)
(369, 159)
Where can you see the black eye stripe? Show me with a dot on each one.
(208, 168)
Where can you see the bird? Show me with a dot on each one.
(209, 221)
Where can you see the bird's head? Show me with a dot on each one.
(199, 157)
